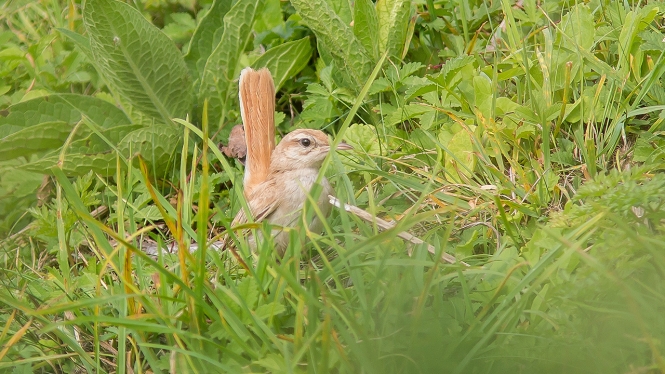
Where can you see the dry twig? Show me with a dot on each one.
(385, 225)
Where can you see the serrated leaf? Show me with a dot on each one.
(249, 291)
(366, 26)
(286, 60)
(652, 41)
(42, 137)
(363, 138)
(149, 213)
(274, 363)
(380, 85)
(317, 111)
(400, 114)
(393, 16)
(69, 108)
(648, 147)
(138, 61)
(337, 40)
(221, 67)
(408, 69)
(449, 69)
(182, 27)
(206, 37)
(266, 311)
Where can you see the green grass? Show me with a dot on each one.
(523, 140)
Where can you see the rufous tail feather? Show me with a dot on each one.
(257, 108)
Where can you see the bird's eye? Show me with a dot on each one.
(305, 142)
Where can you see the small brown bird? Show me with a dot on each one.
(277, 182)
(294, 167)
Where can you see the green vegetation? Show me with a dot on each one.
(523, 137)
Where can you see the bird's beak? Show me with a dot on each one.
(344, 147)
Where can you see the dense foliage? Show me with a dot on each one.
(522, 137)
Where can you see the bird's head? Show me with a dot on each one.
(303, 148)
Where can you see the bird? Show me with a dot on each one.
(278, 179)
(294, 168)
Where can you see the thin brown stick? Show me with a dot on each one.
(385, 225)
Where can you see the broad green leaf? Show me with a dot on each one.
(270, 18)
(635, 22)
(461, 159)
(103, 141)
(12, 53)
(366, 26)
(587, 107)
(138, 60)
(336, 39)
(76, 164)
(579, 26)
(222, 65)
(206, 37)
(17, 193)
(69, 108)
(156, 144)
(34, 94)
(343, 9)
(483, 93)
(393, 16)
(42, 137)
(650, 90)
(504, 105)
(648, 147)
(286, 60)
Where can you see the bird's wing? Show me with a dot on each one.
(262, 203)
